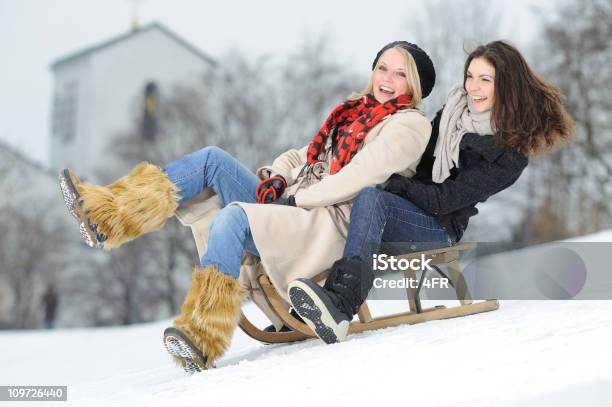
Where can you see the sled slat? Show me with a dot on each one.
(411, 318)
(414, 302)
(364, 313)
(456, 275)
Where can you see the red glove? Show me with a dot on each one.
(271, 189)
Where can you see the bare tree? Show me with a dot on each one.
(263, 107)
(28, 246)
(576, 54)
(31, 239)
(311, 83)
(449, 30)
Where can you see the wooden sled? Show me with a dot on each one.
(448, 256)
(199, 213)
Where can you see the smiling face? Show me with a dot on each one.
(389, 77)
(480, 84)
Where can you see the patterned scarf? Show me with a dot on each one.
(350, 123)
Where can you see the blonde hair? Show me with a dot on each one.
(412, 78)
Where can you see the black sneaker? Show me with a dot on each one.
(180, 346)
(72, 199)
(272, 328)
(316, 307)
(284, 328)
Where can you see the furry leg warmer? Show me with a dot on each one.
(210, 313)
(136, 204)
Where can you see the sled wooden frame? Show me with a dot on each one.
(448, 256)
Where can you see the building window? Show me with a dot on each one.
(65, 105)
(150, 105)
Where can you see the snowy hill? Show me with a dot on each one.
(528, 353)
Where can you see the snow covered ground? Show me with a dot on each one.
(528, 353)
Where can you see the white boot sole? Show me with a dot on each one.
(179, 346)
(315, 314)
(73, 204)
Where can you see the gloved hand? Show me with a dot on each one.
(271, 189)
(289, 201)
(396, 185)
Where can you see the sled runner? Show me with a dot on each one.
(199, 213)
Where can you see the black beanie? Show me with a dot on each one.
(425, 68)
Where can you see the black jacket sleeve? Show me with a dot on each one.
(471, 185)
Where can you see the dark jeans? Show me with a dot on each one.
(378, 216)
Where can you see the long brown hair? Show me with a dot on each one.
(528, 114)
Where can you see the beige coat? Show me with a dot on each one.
(303, 241)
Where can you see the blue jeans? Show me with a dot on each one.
(378, 216)
(230, 233)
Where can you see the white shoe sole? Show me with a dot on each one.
(72, 200)
(315, 314)
(179, 346)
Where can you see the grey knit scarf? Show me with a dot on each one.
(458, 118)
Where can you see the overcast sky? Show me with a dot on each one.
(33, 33)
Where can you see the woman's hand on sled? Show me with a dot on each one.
(271, 189)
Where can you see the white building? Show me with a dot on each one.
(100, 90)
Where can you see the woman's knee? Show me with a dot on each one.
(208, 154)
(367, 198)
(232, 217)
(368, 194)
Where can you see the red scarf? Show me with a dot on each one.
(352, 120)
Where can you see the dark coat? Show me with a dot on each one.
(484, 169)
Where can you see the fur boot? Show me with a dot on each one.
(208, 319)
(111, 215)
